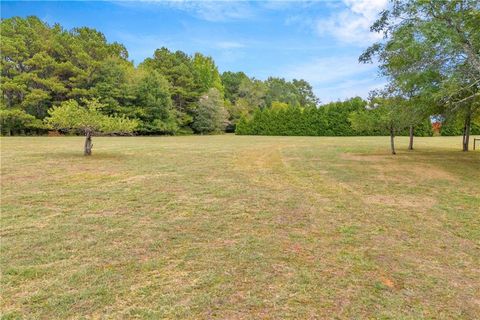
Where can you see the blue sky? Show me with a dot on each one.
(318, 41)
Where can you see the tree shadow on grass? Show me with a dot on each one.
(458, 163)
(99, 155)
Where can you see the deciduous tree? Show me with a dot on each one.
(70, 116)
(434, 46)
(381, 112)
(210, 116)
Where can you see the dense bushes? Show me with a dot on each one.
(329, 120)
(455, 128)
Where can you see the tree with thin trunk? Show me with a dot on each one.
(410, 141)
(461, 106)
(414, 112)
(381, 113)
(465, 114)
(71, 116)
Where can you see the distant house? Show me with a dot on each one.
(436, 127)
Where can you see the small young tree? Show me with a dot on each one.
(70, 116)
(210, 115)
(382, 113)
(414, 112)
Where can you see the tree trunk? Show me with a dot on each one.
(88, 143)
(466, 132)
(410, 144)
(392, 140)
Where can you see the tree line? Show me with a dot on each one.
(43, 67)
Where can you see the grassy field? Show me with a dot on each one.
(237, 227)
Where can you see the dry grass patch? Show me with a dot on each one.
(402, 201)
(231, 227)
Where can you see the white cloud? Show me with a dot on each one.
(229, 45)
(214, 10)
(348, 89)
(341, 76)
(336, 78)
(352, 24)
(328, 69)
(209, 10)
(286, 4)
(367, 8)
(301, 21)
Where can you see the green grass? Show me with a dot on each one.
(238, 227)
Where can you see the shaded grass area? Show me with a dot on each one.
(239, 227)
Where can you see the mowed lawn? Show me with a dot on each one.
(237, 227)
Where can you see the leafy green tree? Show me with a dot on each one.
(254, 92)
(207, 73)
(415, 89)
(241, 108)
(382, 112)
(278, 106)
(154, 104)
(297, 93)
(70, 116)
(434, 45)
(416, 116)
(455, 126)
(248, 97)
(278, 89)
(337, 116)
(211, 116)
(112, 85)
(244, 127)
(231, 82)
(185, 87)
(305, 94)
(27, 71)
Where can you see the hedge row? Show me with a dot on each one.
(328, 120)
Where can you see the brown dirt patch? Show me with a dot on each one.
(387, 282)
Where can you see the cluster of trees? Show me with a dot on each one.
(430, 54)
(245, 96)
(332, 119)
(43, 67)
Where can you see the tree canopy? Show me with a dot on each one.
(211, 115)
(70, 116)
(431, 53)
